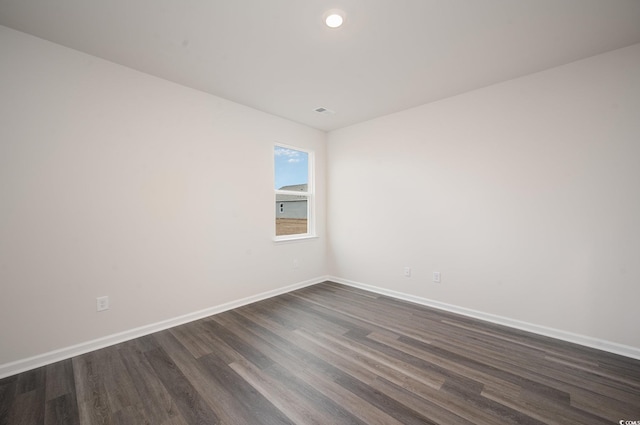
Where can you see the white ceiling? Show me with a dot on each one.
(277, 55)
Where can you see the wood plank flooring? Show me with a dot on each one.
(330, 354)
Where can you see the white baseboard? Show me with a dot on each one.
(587, 341)
(9, 369)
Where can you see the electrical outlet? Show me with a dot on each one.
(407, 272)
(102, 303)
(436, 277)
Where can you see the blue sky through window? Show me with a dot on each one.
(291, 166)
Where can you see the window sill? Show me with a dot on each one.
(293, 238)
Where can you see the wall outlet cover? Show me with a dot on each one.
(102, 303)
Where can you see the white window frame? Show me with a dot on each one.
(310, 195)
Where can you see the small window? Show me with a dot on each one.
(293, 184)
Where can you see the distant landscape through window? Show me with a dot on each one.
(292, 191)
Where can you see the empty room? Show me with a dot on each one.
(319, 212)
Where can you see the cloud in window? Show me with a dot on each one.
(289, 153)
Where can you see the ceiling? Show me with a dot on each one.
(279, 57)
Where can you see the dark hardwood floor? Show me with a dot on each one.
(330, 354)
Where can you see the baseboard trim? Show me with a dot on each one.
(13, 368)
(587, 341)
(18, 366)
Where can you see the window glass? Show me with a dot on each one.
(293, 192)
(292, 167)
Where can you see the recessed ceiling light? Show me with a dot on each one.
(334, 18)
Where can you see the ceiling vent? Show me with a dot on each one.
(324, 111)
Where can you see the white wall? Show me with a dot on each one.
(524, 195)
(113, 182)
